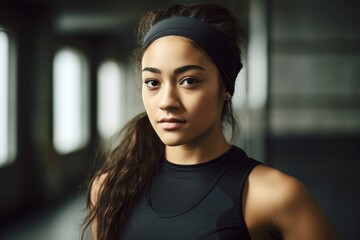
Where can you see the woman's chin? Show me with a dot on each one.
(172, 142)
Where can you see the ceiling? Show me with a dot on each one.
(110, 16)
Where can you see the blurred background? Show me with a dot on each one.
(67, 84)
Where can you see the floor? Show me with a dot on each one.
(60, 223)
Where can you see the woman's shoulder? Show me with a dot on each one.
(281, 203)
(272, 190)
(277, 185)
(96, 186)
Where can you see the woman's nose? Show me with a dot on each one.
(169, 100)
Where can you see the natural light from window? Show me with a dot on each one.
(110, 104)
(70, 103)
(7, 104)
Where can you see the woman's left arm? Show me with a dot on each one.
(277, 205)
(298, 216)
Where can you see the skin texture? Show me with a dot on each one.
(181, 82)
(277, 206)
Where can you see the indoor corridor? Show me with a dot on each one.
(61, 222)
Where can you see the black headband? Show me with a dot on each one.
(214, 42)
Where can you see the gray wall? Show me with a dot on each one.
(314, 99)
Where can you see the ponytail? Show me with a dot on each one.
(127, 170)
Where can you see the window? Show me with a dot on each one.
(111, 110)
(258, 55)
(7, 101)
(70, 103)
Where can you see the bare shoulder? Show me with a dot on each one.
(281, 189)
(95, 190)
(268, 192)
(96, 187)
(280, 203)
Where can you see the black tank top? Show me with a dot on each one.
(201, 201)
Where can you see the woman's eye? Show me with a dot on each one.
(151, 83)
(189, 81)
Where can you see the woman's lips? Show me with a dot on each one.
(171, 123)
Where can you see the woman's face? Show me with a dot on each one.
(181, 92)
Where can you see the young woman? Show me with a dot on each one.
(174, 175)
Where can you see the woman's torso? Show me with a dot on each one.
(202, 201)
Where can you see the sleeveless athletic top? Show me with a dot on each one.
(190, 202)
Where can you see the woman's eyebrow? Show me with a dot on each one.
(152, 69)
(185, 68)
(177, 71)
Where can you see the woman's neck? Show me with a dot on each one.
(196, 153)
